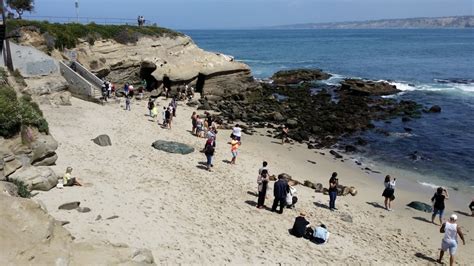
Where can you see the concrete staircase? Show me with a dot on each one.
(82, 83)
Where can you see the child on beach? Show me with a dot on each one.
(128, 101)
(67, 180)
(388, 192)
(234, 145)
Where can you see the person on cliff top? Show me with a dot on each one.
(151, 105)
(438, 199)
(389, 192)
(284, 135)
(262, 182)
(234, 145)
(333, 183)
(300, 225)
(280, 190)
(68, 180)
(450, 240)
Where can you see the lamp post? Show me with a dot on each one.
(76, 4)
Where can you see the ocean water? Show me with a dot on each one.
(430, 66)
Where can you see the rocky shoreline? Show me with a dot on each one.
(317, 114)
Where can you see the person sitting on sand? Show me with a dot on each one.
(333, 183)
(67, 180)
(438, 204)
(234, 145)
(471, 207)
(450, 240)
(320, 235)
(388, 192)
(300, 225)
(262, 182)
(280, 189)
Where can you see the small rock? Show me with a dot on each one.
(309, 184)
(346, 218)
(98, 217)
(435, 109)
(83, 209)
(102, 140)
(70, 205)
(143, 256)
(113, 217)
(318, 188)
(336, 154)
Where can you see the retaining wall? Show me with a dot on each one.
(78, 86)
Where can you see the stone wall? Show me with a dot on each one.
(31, 62)
(78, 86)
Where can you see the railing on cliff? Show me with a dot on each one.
(87, 20)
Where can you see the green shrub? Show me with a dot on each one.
(31, 115)
(22, 189)
(18, 77)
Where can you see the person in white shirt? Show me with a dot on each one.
(450, 240)
(236, 132)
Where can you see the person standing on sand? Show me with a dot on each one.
(471, 207)
(389, 192)
(438, 204)
(450, 240)
(209, 152)
(300, 225)
(333, 183)
(264, 167)
(284, 135)
(234, 145)
(151, 105)
(280, 189)
(262, 182)
(236, 132)
(193, 121)
(128, 101)
(168, 117)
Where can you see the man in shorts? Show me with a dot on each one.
(450, 240)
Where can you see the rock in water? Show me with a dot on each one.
(70, 205)
(336, 154)
(435, 109)
(172, 147)
(296, 76)
(368, 87)
(420, 206)
(102, 140)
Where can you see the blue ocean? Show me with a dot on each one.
(430, 66)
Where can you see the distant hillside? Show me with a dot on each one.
(408, 23)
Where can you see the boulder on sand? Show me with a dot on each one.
(172, 147)
(102, 140)
(44, 150)
(417, 205)
(36, 178)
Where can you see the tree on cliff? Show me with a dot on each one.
(21, 6)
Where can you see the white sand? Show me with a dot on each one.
(183, 214)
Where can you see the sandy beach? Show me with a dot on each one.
(186, 215)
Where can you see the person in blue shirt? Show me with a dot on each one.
(320, 235)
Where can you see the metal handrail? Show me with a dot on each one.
(87, 20)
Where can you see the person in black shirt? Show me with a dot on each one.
(438, 204)
(300, 225)
(333, 182)
(280, 189)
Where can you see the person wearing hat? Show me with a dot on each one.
(300, 225)
(450, 240)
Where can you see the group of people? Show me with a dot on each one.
(140, 21)
(302, 228)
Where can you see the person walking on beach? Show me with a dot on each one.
(234, 145)
(128, 101)
(236, 132)
(193, 121)
(209, 152)
(389, 192)
(262, 182)
(333, 183)
(151, 105)
(450, 240)
(284, 135)
(280, 189)
(438, 204)
(300, 225)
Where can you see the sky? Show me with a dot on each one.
(234, 14)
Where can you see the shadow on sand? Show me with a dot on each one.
(254, 204)
(423, 256)
(463, 213)
(376, 205)
(252, 193)
(423, 219)
(320, 205)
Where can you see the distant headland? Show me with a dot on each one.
(406, 23)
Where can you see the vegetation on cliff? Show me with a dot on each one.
(17, 112)
(68, 35)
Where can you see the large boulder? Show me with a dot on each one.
(43, 150)
(172, 147)
(9, 189)
(45, 85)
(32, 237)
(295, 76)
(368, 87)
(36, 178)
(10, 165)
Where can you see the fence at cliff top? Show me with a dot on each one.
(87, 20)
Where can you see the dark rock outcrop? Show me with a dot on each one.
(102, 140)
(417, 205)
(286, 77)
(435, 109)
(172, 147)
(368, 87)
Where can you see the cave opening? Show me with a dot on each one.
(200, 83)
(146, 74)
